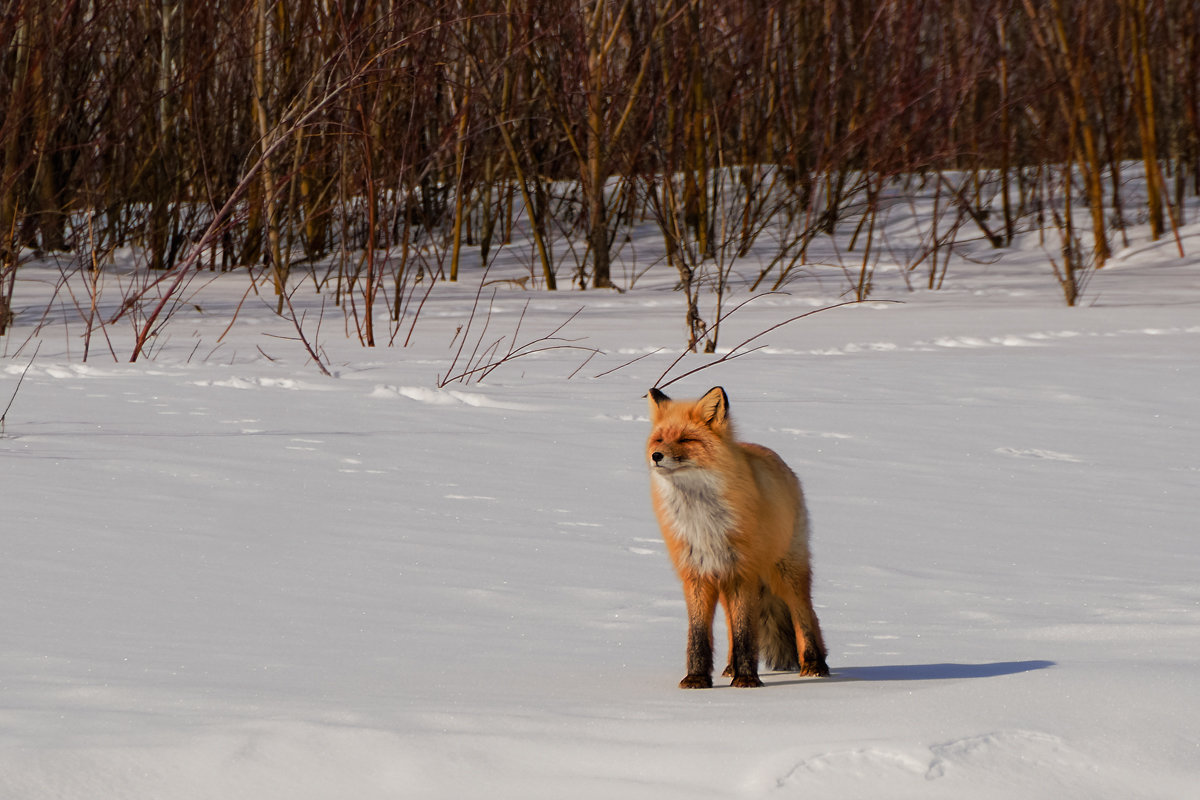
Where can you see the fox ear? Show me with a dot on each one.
(714, 408)
(657, 401)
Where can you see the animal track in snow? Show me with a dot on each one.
(815, 434)
(639, 418)
(262, 383)
(1007, 758)
(63, 371)
(446, 397)
(969, 342)
(1048, 455)
(637, 549)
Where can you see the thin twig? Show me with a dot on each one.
(4, 416)
(653, 352)
(732, 354)
(291, 312)
(482, 364)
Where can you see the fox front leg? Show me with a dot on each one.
(743, 656)
(701, 598)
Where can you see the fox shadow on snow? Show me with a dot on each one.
(934, 672)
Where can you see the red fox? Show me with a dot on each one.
(733, 518)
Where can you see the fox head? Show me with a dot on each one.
(686, 434)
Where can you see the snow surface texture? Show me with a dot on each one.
(227, 576)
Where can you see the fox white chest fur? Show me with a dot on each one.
(692, 500)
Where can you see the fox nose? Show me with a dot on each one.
(656, 457)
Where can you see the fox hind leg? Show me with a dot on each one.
(812, 651)
(728, 672)
(810, 644)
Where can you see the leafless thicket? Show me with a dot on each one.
(383, 143)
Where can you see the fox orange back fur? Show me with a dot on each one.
(734, 521)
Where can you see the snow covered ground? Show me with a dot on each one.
(225, 575)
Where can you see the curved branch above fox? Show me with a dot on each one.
(733, 518)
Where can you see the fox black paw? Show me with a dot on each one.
(696, 682)
(746, 682)
(818, 669)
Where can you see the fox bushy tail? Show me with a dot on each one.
(776, 634)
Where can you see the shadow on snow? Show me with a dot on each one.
(937, 672)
